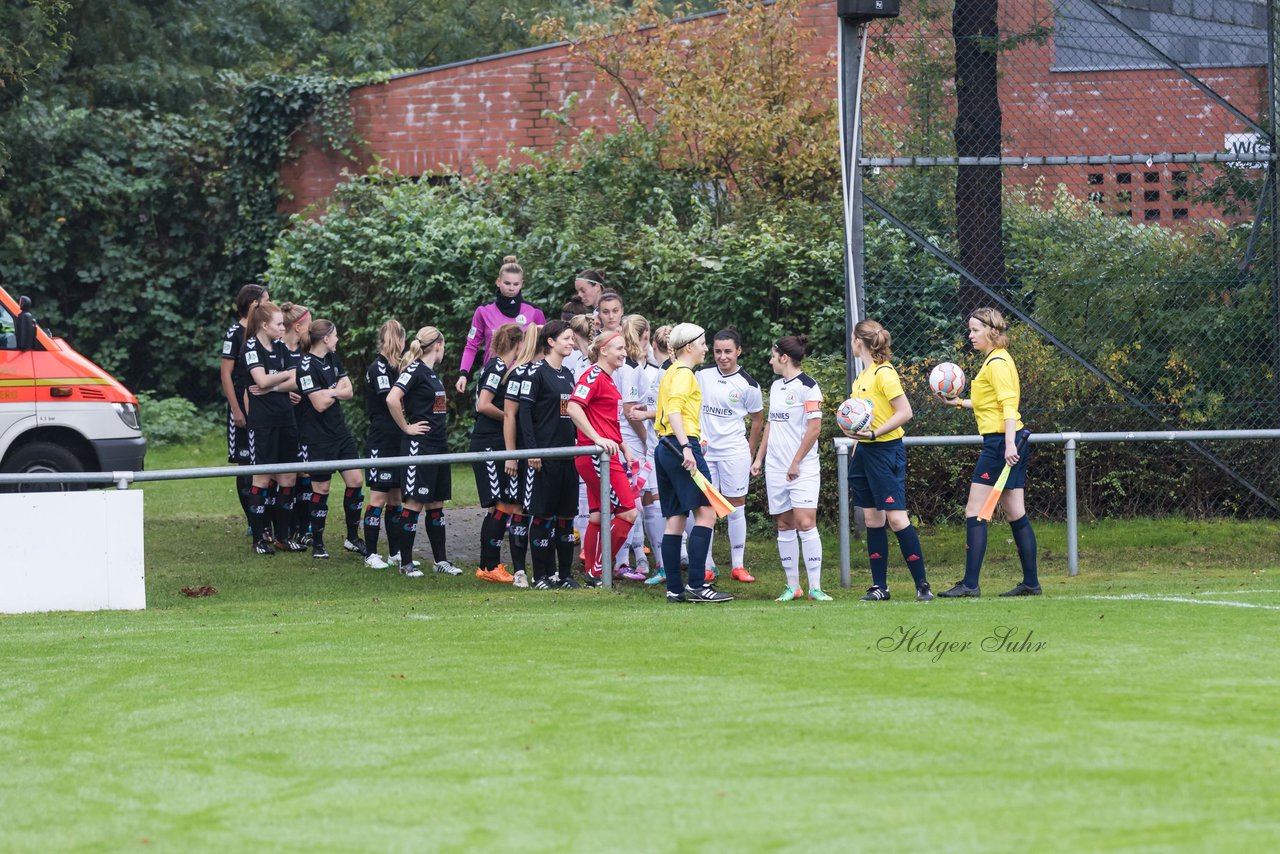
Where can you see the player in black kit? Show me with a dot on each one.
(519, 475)
(420, 408)
(323, 434)
(544, 418)
(488, 436)
(235, 386)
(273, 432)
(383, 440)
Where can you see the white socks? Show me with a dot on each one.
(789, 553)
(812, 545)
(738, 536)
(655, 527)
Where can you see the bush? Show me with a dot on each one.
(171, 420)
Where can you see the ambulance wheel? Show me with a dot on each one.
(42, 458)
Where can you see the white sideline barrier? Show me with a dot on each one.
(71, 551)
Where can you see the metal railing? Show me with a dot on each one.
(1071, 443)
(122, 479)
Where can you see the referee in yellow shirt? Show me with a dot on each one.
(996, 395)
(678, 453)
(878, 470)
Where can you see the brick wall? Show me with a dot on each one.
(441, 120)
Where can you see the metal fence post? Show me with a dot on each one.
(842, 490)
(1073, 545)
(606, 521)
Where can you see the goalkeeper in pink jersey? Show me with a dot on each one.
(507, 307)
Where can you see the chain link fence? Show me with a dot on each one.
(1099, 169)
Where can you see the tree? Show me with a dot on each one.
(736, 94)
(979, 201)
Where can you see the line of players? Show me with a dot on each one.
(548, 385)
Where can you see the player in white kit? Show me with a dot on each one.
(729, 396)
(789, 457)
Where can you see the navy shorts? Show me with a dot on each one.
(677, 493)
(312, 452)
(991, 460)
(878, 475)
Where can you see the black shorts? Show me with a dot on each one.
(424, 483)
(237, 442)
(383, 478)
(315, 452)
(490, 476)
(270, 446)
(553, 491)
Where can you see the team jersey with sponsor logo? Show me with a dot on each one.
(515, 380)
(793, 404)
(232, 347)
(319, 374)
(544, 406)
(879, 383)
(378, 379)
(272, 409)
(425, 400)
(996, 392)
(491, 381)
(726, 400)
(598, 395)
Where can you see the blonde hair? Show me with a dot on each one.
(875, 338)
(427, 337)
(509, 265)
(997, 327)
(593, 349)
(633, 329)
(583, 325)
(391, 341)
(293, 314)
(661, 340)
(529, 345)
(683, 335)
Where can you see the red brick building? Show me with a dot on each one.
(1089, 88)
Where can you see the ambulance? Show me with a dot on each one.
(59, 412)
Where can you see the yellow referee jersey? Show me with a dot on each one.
(879, 384)
(996, 393)
(679, 392)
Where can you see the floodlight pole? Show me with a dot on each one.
(851, 52)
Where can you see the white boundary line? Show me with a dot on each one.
(1149, 598)
(1234, 592)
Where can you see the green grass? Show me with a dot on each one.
(335, 708)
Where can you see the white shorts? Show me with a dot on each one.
(785, 494)
(731, 476)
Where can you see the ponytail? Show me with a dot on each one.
(260, 316)
(426, 338)
(875, 338)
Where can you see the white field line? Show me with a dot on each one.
(1234, 592)
(1149, 598)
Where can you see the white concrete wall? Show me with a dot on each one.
(71, 551)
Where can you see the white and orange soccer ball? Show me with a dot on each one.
(947, 380)
(854, 415)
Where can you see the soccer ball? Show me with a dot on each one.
(854, 415)
(947, 380)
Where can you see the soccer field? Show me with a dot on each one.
(326, 706)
